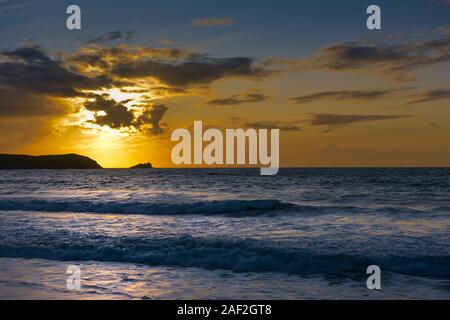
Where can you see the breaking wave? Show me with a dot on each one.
(231, 207)
(146, 208)
(238, 255)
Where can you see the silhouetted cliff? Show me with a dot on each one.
(65, 161)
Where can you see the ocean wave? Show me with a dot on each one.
(243, 255)
(232, 207)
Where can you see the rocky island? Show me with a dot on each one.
(64, 161)
(147, 165)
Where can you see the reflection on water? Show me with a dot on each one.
(43, 279)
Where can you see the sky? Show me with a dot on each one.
(341, 95)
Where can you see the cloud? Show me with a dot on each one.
(116, 115)
(153, 118)
(171, 67)
(195, 71)
(111, 36)
(34, 83)
(90, 60)
(345, 95)
(103, 59)
(341, 120)
(431, 95)
(29, 69)
(391, 60)
(110, 113)
(163, 91)
(272, 125)
(27, 54)
(250, 97)
(35, 86)
(213, 22)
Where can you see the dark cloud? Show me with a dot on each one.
(345, 95)
(393, 60)
(167, 90)
(354, 55)
(90, 60)
(250, 97)
(341, 119)
(237, 119)
(199, 70)
(116, 115)
(172, 67)
(29, 69)
(272, 125)
(105, 58)
(30, 81)
(28, 54)
(213, 22)
(432, 95)
(111, 36)
(40, 79)
(282, 125)
(153, 117)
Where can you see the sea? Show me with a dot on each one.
(225, 234)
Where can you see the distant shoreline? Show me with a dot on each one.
(55, 162)
(75, 161)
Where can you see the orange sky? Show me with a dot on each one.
(356, 102)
